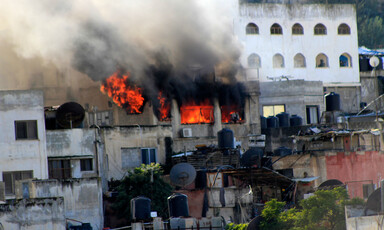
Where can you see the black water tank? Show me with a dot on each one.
(141, 208)
(252, 157)
(225, 138)
(263, 122)
(283, 119)
(178, 205)
(332, 102)
(282, 151)
(295, 120)
(272, 122)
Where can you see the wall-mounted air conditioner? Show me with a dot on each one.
(187, 132)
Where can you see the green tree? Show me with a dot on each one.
(143, 181)
(323, 211)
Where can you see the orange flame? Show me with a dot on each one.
(231, 114)
(124, 95)
(165, 107)
(191, 113)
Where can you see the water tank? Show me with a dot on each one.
(225, 138)
(178, 205)
(252, 157)
(295, 120)
(283, 119)
(141, 208)
(263, 122)
(282, 151)
(272, 122)
(332, 102)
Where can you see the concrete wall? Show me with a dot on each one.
(33, 214)
(365, 222)
(134, 137)
(294, 94)
(21, 155)
(75, 144)
(308, 15)
(82, 198)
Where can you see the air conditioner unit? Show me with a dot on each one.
(187, 132)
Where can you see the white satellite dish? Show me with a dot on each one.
(374, 61)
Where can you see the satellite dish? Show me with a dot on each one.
(330, 184)
(255, 223)
(182, 174)
(374, 61)
(70, 115)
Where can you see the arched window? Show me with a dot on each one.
(322, 61)
(345, 60)
(343, 29)
(252, 28)
(299, 61)
(278, 61)
(297, 29)
(276, 29)
(320, 29)
(254, 61)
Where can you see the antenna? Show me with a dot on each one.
(182, 174)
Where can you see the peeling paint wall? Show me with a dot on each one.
(19, 155)
(82, 198)
(33, 214)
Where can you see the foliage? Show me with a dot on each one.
(370, 24)
(324, 210)
(143, 181)
(232, 226)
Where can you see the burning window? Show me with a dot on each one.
(124, 93)
(196, 113)
(232, 114)
(164, 109)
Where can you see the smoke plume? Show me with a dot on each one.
(96, 37)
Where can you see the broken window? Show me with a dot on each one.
(343, 29)
(312, 114)
(320, 29)
(26, 130)
(148, 155)
(59, 169)
(86, 164)
(10, 178)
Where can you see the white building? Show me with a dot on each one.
(311, 42)
(22, 140)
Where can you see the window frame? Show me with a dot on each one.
(28, 133)
(274, 61)
(320, 29)
(343, 29)
(257, 61)
(349, 60)
(295, 62)
(149, 155)
(251, 29)
(86, 164)
(308, 114)
(326, 64)
(276, 29)
(64, 171)
(10, 189)
(297, 29)
(274, 109)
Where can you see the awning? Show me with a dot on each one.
(306, 179)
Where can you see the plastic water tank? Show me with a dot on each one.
(225, 138)
(263, 122)
(252, 157)
(295, 120)
(272, 122)
(332, 102)
(283, 119)
(141, 208)
(178, 205)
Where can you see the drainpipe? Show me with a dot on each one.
(96, 142)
